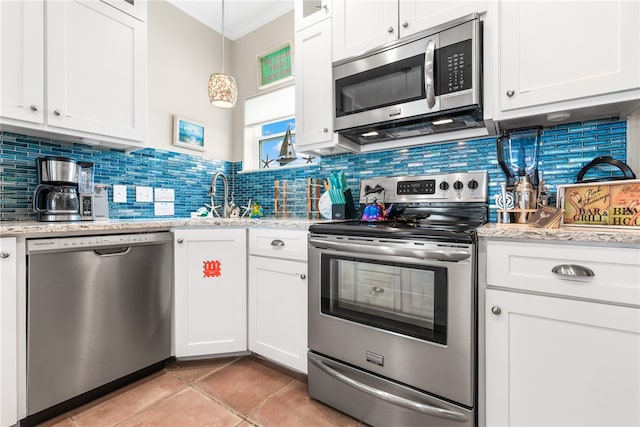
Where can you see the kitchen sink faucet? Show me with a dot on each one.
(212, 192)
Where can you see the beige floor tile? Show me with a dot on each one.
(192, 371)
(293, 407)
(245, 384)
(187, 408)
(60, 421)
(121, 406)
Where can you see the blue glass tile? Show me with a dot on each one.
(564, 150)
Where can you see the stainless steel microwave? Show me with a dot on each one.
(424, 84)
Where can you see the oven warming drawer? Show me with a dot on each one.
(377, 401)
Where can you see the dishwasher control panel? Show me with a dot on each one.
(66, 243)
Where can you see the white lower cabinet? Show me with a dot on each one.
(278, 296)
(8, 332)
(210, 290)
(567, 353)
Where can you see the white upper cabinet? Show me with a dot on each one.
(314, 93)
(135, 8)
(76, 68)
(309, 12)
(557, 55)
(418, 15)
(359, 26)
(96, 69)
(22, 67)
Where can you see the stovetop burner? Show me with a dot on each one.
(439, 207)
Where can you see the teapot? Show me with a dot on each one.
(375, 211)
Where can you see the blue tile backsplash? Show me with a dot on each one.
(564, 150)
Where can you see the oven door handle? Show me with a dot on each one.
(389, 397)
(449, 255)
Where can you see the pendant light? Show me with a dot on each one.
(223, 90)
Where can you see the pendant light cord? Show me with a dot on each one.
(222, 36)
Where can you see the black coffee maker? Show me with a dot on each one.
(56, 196)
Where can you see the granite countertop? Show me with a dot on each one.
(34, 228)
(511, 231)
(572, 233)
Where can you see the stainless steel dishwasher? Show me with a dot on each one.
(98, 308)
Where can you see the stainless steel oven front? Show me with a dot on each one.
(392, 329)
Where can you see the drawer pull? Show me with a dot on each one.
(572, 270)
(277, 242)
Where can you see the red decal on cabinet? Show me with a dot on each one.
(212, 268)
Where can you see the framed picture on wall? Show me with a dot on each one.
(188, 133)
(275, 66)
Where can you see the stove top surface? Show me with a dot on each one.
(443, 207)
(436, 222)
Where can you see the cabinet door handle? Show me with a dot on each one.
(277, 242)
(496, 310)
(34, 107)
(390, 30)
(4, 255)
(179, 240)
(325, 130)
(303, 276)
(572, 270)
(57, 112)
(510, 93)
(405, 24)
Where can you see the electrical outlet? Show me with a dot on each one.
(144, 194)
(164, 195)
(120, 194)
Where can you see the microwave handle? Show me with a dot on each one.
(428, 74)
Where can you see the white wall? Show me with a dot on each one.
(182, 53)
(244, 66)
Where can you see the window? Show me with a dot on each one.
(272, 154)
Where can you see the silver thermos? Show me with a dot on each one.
(525, 195)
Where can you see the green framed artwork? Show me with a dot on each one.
(275, 66)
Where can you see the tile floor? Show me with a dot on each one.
(244, 392)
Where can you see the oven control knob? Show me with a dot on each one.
(444, 185)
(458, 185)
(473, 184)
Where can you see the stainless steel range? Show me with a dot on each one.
(392, 303)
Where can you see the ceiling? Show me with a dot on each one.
(240, 16)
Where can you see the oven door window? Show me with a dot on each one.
(391, 84)
(404, 298)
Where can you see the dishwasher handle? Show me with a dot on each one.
(112, 251)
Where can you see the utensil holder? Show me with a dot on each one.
(297, 198)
